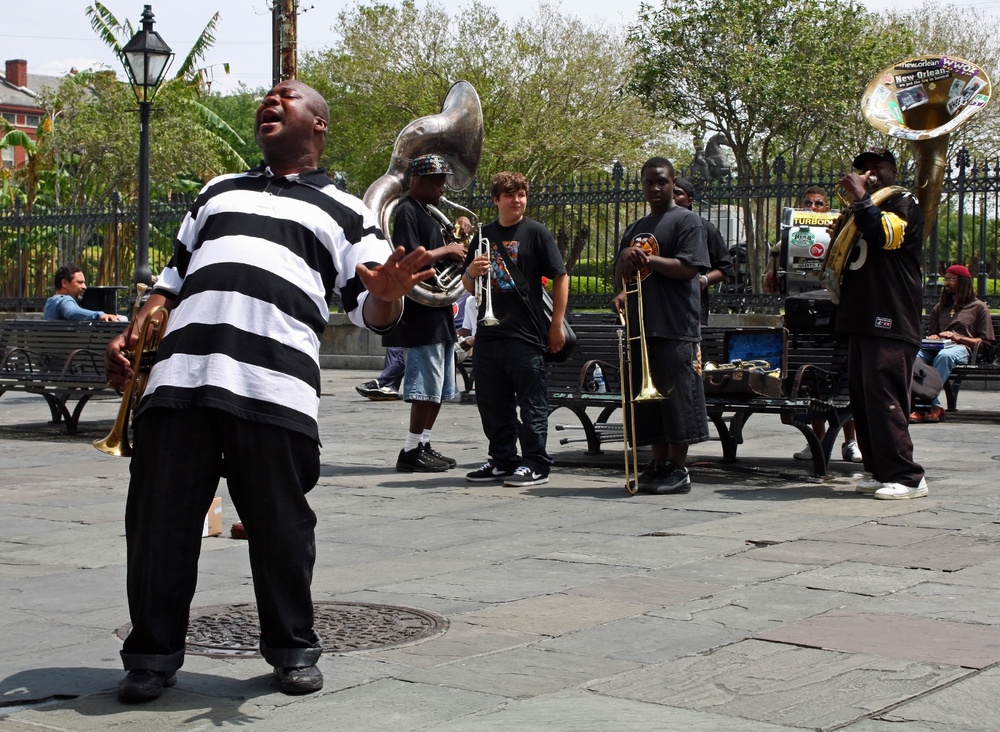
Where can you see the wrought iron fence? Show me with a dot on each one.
(587, 216)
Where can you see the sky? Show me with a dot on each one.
(55, 35)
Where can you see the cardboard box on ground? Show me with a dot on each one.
(213, 520)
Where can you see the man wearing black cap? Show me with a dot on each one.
(426, 333)
(880, 303)
(718, 253)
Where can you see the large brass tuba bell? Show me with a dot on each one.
(116, 443)
(456, 134)
(920, 99)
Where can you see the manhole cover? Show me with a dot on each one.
(224, 631)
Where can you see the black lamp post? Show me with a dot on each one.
(146, 58)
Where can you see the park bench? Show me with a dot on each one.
(59, 360)
(814, 387)
(983, 367)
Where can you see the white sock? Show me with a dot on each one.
(412, 441)
(425, 437)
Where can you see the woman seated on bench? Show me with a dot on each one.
(963, 322)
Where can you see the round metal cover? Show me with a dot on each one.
(226, 631)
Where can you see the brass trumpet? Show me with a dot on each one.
(648, 392)
(484, 291)
(116, 443)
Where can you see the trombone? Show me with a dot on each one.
(116, 443)
(648, 391)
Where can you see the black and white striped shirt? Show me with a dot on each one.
(256, 262)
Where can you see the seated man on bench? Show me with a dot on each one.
(960, 319)
(70, 284)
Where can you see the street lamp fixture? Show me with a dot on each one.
(146, 58)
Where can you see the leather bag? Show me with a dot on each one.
(926, 383)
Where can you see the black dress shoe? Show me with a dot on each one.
(143, 685)
(299, 680)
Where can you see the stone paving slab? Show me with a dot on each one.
(958, 603)
(942, 553)
(894, 636)
(586, 712)
(943, 518)
(643, 639)
(521, 673)
(862, 578)
(779, 684)
(756, 608)
(648, 552)
(877, 534)
(649, 590)
(465, 638)
(521, 578)
(807, 551)
(556, 614)
(733, 571)
(963, 707)
(985, 574)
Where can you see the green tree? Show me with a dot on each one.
(238, 109)
(551, 87)
(772, 76)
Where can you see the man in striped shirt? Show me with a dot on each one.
(234, 390)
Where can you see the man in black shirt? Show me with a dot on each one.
(509, 358)
(880, 303)
(426, 333)
(671, 298)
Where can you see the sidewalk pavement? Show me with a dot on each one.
(763, 600)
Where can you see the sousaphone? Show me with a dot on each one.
(456, 134)
(921, 99)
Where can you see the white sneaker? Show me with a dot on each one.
(894, 491)
(868, 485)
(851, 452)
(806, 454)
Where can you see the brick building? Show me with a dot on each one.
(19, 103)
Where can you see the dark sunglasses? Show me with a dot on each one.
(814, 204)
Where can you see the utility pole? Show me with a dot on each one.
(284, 34)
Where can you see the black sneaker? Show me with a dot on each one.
(417, 461)
(364, 388)
(525, 476)
(426, 447)
(299, 680)
(142, 685)
(649, 474)
(654, 473)
(678, 480)
(488, 473)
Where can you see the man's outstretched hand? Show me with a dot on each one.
(397, 275)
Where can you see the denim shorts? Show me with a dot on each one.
(430, 373)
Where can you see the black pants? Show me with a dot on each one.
(879, 372)
(510, 379)
(179, 457)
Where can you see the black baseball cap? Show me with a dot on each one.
(871, 155)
